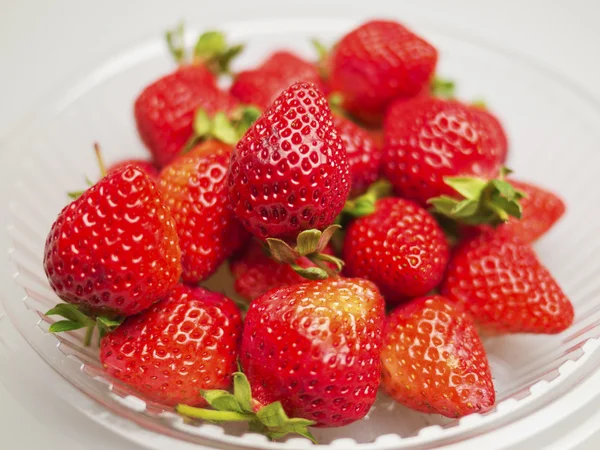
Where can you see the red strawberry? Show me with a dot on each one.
(114, 250)
(433, 360)
(503, 285)
(378, 62)
(194, 189)
(262, 86)
(186, 343)
(164, 111)
(290, 170)
(364, 155)
(146, 166)
(315, 347)
(256, 273)
(400, 247)
(428, 139)
(496, 129)
(541, 210)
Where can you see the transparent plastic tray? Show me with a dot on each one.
(554, 130)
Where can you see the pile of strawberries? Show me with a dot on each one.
(366, 218)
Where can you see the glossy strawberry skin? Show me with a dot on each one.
(194, 189)
(187, 342)
(364, 155)
(427, 139)
(506, 289)
(290, 171)
(400, 248)
(315, 347)
(115, 249)
(433, 361)
(497, 130)
(262, 86)
(256, 273)
(164, 111)
(541, 210)
(146, 166)
(378, 62)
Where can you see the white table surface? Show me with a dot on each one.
(43, 42)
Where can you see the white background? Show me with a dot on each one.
(43, 42)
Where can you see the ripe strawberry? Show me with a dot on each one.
(315, 347)
(194, 189)
(256, 273)
(497, 130)
(290, 170)
(505, 288)
(164, 111)
(378, 62)
(433, 360)
(364, 155)
(428, 139)
(262, 85)
(541, 210)
(113, 251)
(146, 166)
(183, 344)
(400, 247)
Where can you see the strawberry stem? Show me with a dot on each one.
(175, 42)
(213, 415)
(100, 160)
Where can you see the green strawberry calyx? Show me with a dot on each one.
(211, 49)
(75, 319)
(309, 243)
(270, 420)
(491, 202)
(221, 126)
(364, 204)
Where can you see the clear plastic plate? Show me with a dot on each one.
(554, 131)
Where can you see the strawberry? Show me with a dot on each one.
(262, 85)
(433, 360)
(541, 210)
(496, 129)
(113, 251)
(428, 139)
(437, 151)
(145, 166)
(194, 189)
(364, 155)
(164, 111)
(256, 273)
(186, 343)
(289, 172)
(506, 289)
(315, 347)
(400, 247)
(378, 62)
